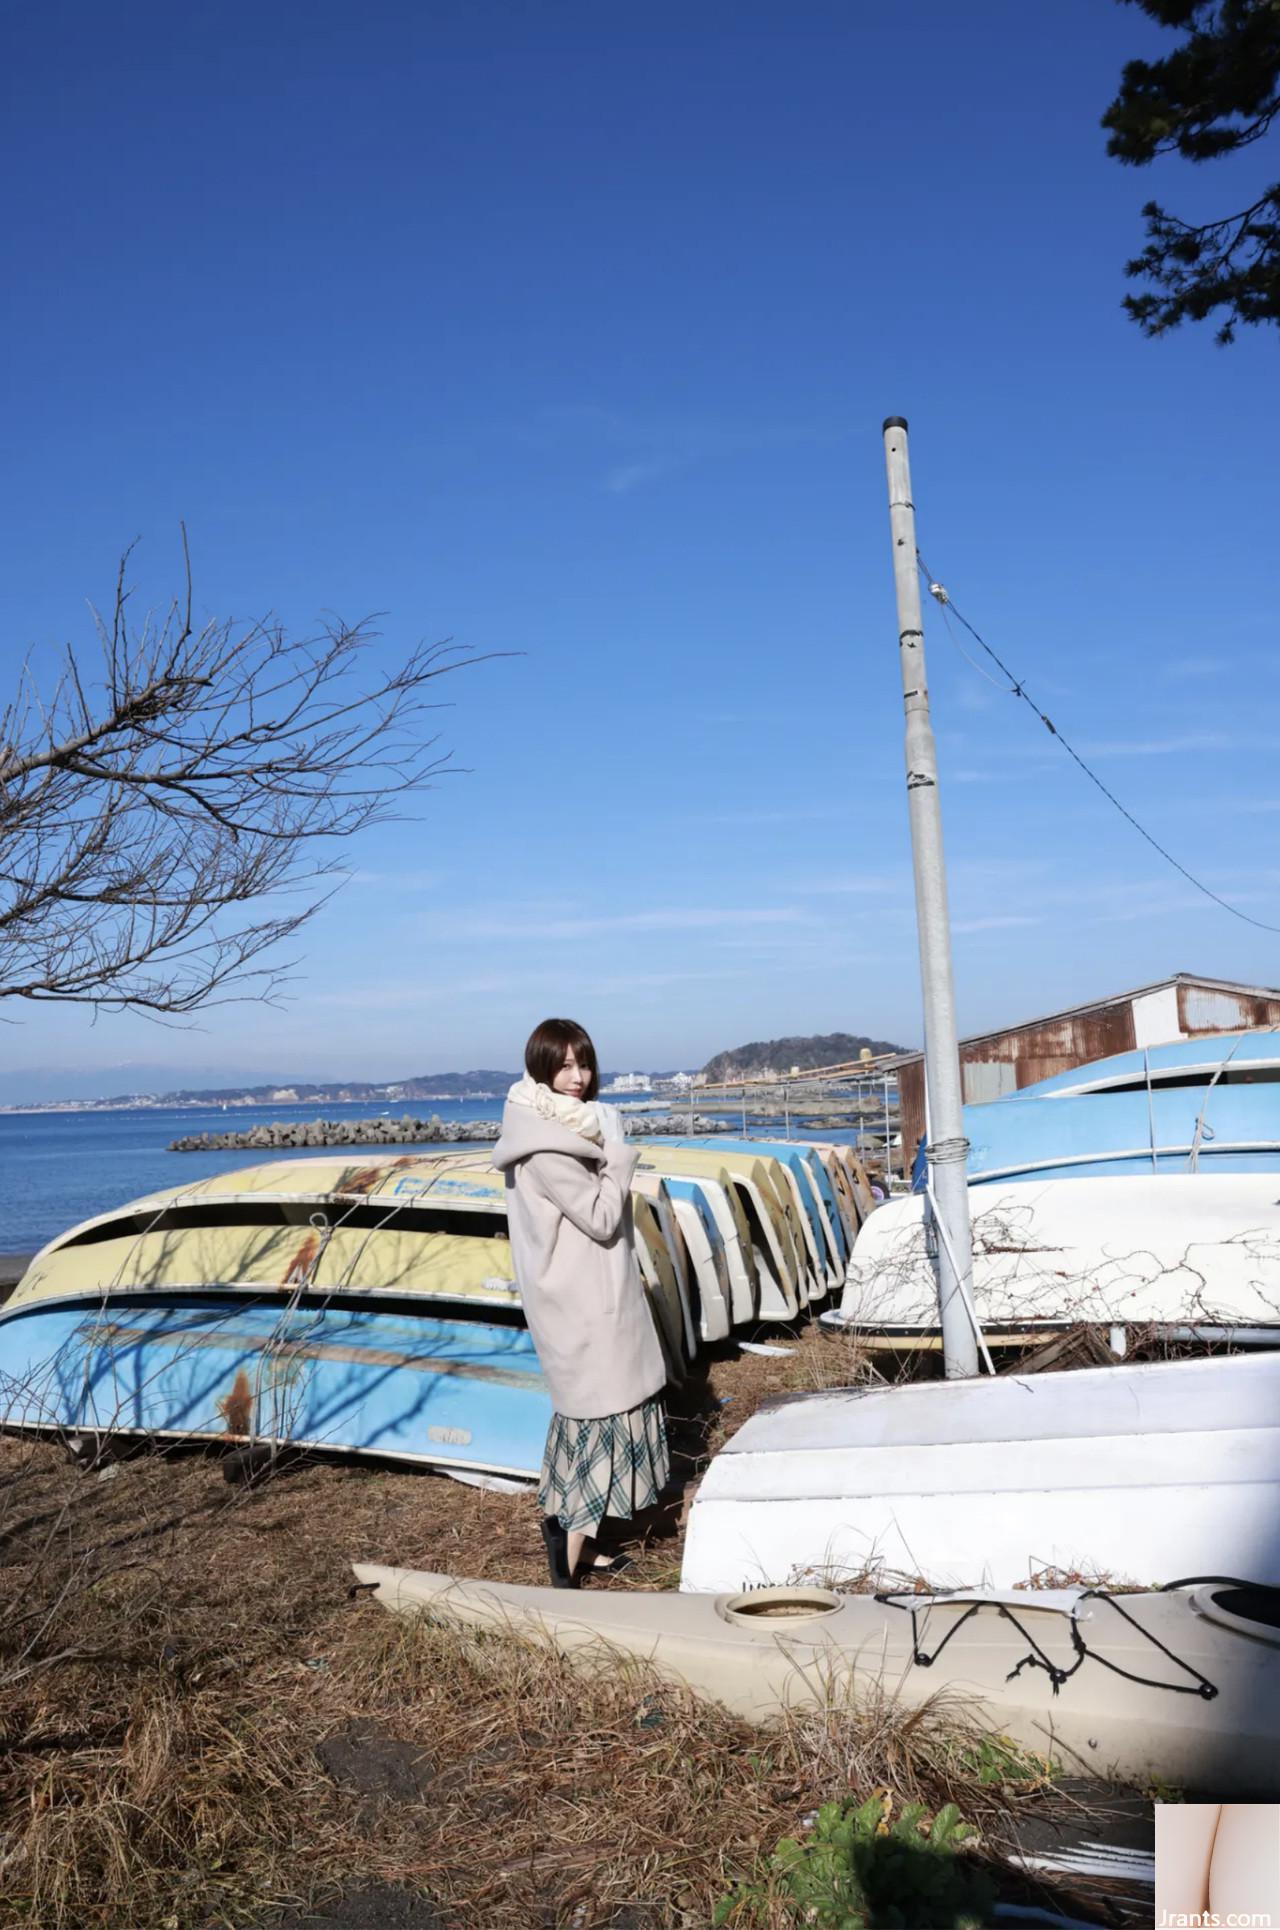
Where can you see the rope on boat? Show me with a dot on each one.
(1204, 1131)
(965, 1284)
(1037, 1659)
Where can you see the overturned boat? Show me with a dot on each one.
(1221, 1058)
(457, 1394)
(367, 1307)
(1192, 1255)
(691, 1231)
(1179, 1128)
(1138, 1474)
(1182, 1686)
(764, 1235)
(819, 1216)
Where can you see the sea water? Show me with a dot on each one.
(63, 1167)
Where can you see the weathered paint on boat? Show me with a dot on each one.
(274, 1223)
(1142, 1474)
(311, 1251)
(411, 1228)
(452, 1393)
(1198, 1250)
(1183, 1687)
(1179, 1129)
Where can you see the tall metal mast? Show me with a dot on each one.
(948, 1145)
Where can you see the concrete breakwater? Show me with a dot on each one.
(282, 1136)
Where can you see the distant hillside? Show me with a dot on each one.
(423, 1084)
(779, 1055)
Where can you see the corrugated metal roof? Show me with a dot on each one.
(1113, 998)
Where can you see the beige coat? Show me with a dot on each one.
(569, 1217)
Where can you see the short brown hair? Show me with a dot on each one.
(548, 1047)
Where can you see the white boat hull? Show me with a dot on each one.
(1193, 1250)
(1204, 1713)
(1138, 1474)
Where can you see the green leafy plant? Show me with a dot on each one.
(1162, 1792)
(859, 1870)
(996, 1761)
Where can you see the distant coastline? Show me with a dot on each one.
(761, 1060)
(305, 1097)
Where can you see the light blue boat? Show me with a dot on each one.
(1227, 1058)
(1172, 1129)
(460, 1394)
(694, 1193)
(815, 1188)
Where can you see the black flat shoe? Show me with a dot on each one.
(557, 1545)
(598, 1564)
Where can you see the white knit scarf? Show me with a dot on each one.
(578, 1115)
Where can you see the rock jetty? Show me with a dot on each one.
(281, 1136)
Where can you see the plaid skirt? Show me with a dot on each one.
(614, 1465)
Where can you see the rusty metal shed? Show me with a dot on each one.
(1181, 1007)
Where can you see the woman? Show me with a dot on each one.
(568, 1176)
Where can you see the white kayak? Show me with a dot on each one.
(1182, 1686)
(1187, 1251)
(1139, 1474)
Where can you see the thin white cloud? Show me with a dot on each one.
(404, 994)
(408, 995)
(638, 449)
(814, 814)
(1181, 667)
(532, 928)
(408, 880)
(867, 883)
(992, 774)
(1002, 921)
(1204, 740)
(627, 476)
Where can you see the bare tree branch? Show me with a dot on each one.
(167, 825)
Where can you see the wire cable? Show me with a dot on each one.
(1016, 688)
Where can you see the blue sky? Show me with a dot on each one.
(570, 332)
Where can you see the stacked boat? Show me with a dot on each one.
(372, 1306)
(1133, 1475)
(1142, 1191)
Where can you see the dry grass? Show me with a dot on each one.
(173, 1652)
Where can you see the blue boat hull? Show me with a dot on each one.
(1087, 1135)
(449, 1393)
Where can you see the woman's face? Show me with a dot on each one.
(572, 1078)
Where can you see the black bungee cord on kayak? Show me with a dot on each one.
(1037, 1659)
